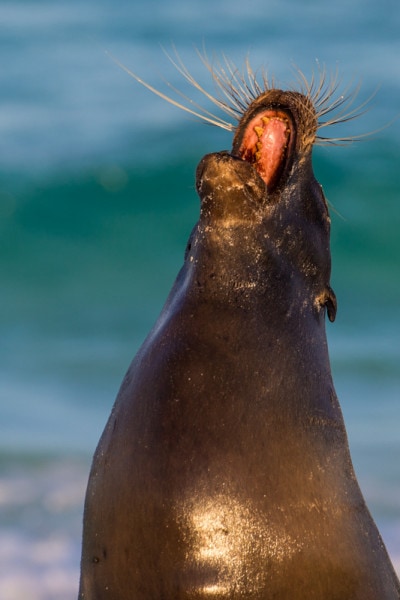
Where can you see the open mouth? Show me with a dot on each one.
(265, 142)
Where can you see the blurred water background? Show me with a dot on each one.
(97, 200)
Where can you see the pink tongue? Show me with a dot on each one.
(273, 144)
(264, 144)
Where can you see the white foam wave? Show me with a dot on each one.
(41, 509)
(38, 569)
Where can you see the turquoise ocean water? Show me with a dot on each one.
(97, 200)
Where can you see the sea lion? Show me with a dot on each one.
(224, 469)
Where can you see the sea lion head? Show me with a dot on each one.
(262, 208)
(264, 218)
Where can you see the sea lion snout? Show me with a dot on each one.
(221, 172)
(229, 187)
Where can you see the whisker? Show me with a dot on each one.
(236, 84)
(350, 114)
(235, 90)
(180, 67)
(191, 101)
(223, 84)
(217, 121)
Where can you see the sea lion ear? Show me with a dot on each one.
(327, 299)
(331, 303)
